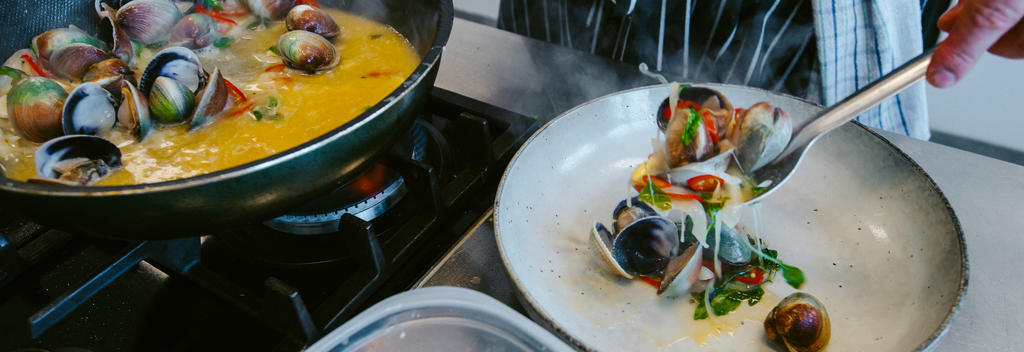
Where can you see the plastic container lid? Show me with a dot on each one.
(439, 319)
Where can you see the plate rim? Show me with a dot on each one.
(538, 313)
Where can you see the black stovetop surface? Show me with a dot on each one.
(255, 288)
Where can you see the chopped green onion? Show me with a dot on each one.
(223, 42)
(272, 102)
(273, 49)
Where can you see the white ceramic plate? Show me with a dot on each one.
(876, 238)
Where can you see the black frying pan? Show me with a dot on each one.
(247, 193)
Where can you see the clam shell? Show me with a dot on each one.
(307, 51)
(682, 272)
(212, 101)
(270, 9)
(78, 159)
(34, 105)
(195, 31)
(646, 246)
(170, 102)
(123, 47)
(134, 111)
(763, 133)
(311, 19)
(49, 42)
(601, 238)
(799, 323)
(74, 60)
(148, 21)
(89, 109)
(178, 63)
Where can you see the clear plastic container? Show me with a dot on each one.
(439, 319)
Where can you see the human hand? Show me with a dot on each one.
(975, 26)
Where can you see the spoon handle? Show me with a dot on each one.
(894, 82)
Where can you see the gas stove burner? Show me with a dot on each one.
(368, 196)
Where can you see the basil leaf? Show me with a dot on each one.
(692, 122)
(793, 275)
(655, 196)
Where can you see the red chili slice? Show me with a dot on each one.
(33, 64)
(704, 183)
(712, 129)
(235, 91)
(215, 14)
(754, 277)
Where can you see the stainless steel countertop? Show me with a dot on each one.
(535, 78)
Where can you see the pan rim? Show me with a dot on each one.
(446, 15)
(539, 313)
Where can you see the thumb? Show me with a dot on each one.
(978, 26)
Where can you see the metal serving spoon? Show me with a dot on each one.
(779, 170)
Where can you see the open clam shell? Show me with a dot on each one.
(682, 272)
(134, 111)
(89, 109)
(601, 238)
(178, 63)
(646, 246)
(212, 101)
(77, 159)
(763, 134)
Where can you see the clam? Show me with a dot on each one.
(134, 111)
(212, 101)
(719, 106)
(123, 47)
(34, 105)
(627, 212)
(731, 251)
(681, 150)
(646, 246)
(73, 60)
(195, 31)
(89, 109)
(762, 134)
(270, 9)
(51, 41)
(602, 240)
(682, 272)
(799, 323)
(307, 51)
(170, 102)
(76, 159)
(178, 63)
(147, 21)
(311, 19)
(109, 73)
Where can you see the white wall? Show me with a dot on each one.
(987, 105)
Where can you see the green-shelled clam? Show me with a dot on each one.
(35, 105)
(307, 51)
(170, 102)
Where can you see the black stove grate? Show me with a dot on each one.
(254, 282)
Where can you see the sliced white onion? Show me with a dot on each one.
(696, 212)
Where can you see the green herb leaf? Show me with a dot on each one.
(13, 73)
(793, 275)
(156, 45)
(726, 301)
(273, 49)
(692, 123)
(655, 196)
(257, 114)
(272, 102)
(138, 48)
(213, 4)
(223, 42)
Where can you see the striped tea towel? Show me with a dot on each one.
(859, 41)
